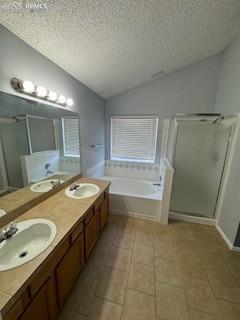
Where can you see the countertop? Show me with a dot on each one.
(13, 200)
(65, 213)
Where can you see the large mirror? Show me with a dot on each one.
(39, 150)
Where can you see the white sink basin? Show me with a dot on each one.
(45, 185)
(83, 191)
(32, 238)
(2, 213)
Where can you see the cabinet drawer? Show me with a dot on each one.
(98, 202)
(76, 232)
(48, 269)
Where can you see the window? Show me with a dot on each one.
(70, 129)
(134, 138)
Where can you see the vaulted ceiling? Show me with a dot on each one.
(114, 45)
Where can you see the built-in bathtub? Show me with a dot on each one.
(132, 190)
(135, 197)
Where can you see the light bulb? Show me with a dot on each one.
(61, 99)
(41, 92)
(28, 86)
(69, 102)
(52, 96)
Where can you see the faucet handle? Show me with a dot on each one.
(12, 225)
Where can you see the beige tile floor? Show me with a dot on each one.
(140, 270)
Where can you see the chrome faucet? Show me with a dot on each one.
(8, 232)
(74, 187)
(47, 167)
(55, 183)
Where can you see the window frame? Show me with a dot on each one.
(67, 155)
(135, 116)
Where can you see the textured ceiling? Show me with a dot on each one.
(114, 45)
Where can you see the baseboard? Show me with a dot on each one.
(225, 238)
(237, 249)
(192, 219)
(133, 214)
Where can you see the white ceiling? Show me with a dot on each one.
(114, 45)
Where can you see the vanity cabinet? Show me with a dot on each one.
(91, 231)
(45, 295)
(69, 268)
(38, 309)
(104, 212)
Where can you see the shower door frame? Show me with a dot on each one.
(202, 117)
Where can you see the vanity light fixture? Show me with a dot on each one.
(28, 86)
(40, 92)
(52, 96)
(61, 99)
(69, 102)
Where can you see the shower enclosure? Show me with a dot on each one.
(197, 148)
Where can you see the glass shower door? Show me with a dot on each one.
(199, 160)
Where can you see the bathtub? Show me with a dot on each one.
(135, 197)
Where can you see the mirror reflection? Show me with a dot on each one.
(39, 149)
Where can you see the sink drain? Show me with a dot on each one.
(23, 254)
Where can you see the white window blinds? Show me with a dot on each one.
(70, 127)
(134, 138)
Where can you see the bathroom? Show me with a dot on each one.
(119, 160)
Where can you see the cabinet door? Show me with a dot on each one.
(104, 212)
(91, 233)
(52, 297)
(38, 308)
(68, 270)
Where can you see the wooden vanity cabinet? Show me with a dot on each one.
(104, 212)
(18, 307)
(38, 309)
(47, 292)
(69, 268)
(91, 231)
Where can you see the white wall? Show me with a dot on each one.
(228, 94)
(22, 61)
(228, 102)
(192, 89)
